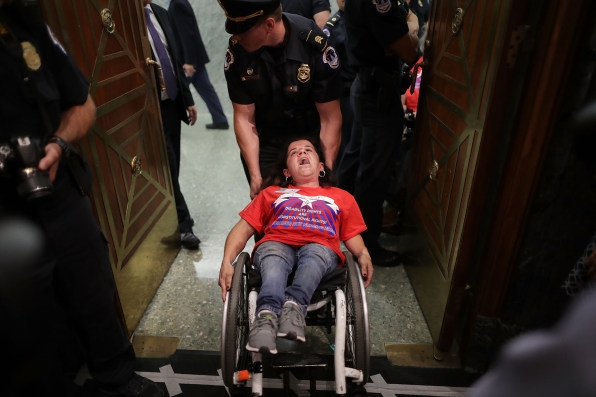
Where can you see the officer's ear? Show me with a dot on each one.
(269, 24)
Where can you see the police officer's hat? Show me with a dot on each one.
(244, 14)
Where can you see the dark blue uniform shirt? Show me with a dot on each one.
(372, 26)
(38, 81)
(306, 8)
(335, 28)
(284, 83)
(57, 82)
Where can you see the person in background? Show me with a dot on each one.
(380, 37)
(302, 218)
(176, 105)
(422, 10)
(195, 59)
(395, 202)
(317, 10)
(283, 79)
(335, 29)
(57, 289)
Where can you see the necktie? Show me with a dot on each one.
(166, 67)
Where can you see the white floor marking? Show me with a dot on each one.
(378, 384)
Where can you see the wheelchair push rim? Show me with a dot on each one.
(235, 323)
(357, 327)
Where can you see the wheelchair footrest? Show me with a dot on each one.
(295, 360)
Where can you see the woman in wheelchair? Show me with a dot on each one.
(301, 218)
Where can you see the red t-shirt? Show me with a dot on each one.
(412, 99)
(298, 216)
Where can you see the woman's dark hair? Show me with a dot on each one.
(277, 177)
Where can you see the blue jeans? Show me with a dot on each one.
(275, 261)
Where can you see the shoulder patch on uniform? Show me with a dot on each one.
(383, 6)
(331, 58)
(315, 38)
(228, 60)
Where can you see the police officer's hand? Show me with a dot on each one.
(192, 115)
(413, 24)
(255, 186)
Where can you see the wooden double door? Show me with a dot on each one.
(132, 190)
(488, 105)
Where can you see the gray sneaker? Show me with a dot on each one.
(291, 323)
(262, 333)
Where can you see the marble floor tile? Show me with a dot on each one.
(188, 303)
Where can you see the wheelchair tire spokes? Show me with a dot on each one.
(235, 331)
(357, 331)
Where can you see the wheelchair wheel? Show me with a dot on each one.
(357, 332)
(235, 324)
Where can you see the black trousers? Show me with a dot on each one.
(268, 155)
(64, 294)
(172, 130)
(367, 164)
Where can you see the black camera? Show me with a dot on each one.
(409, 118)
(405, 78)
(19, 159)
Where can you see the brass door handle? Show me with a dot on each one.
(433, 170)
(136, 166)
(107, 20)
(458, 20)
(151, 62)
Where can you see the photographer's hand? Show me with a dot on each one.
(51, 160)
(74, 124)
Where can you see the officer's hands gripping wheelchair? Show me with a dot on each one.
(339, 303)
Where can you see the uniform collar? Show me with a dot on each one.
(294, 50)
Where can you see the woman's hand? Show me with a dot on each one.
(226, 272)
(366, 268)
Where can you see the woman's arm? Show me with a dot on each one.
(235, 243)
(357, 248)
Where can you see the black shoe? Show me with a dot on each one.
(385, 258)
(189, 241)
(137, 386)
(218, 126)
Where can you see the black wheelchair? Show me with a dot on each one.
(339, 304)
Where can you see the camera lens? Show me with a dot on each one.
(34, 184)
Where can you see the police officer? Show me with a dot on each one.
(64, 289)
(381, 35)
(335, 29)
(422, 10)
(317, 10)
(283, 80)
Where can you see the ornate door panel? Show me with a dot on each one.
(465, 43)
(132, 193)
